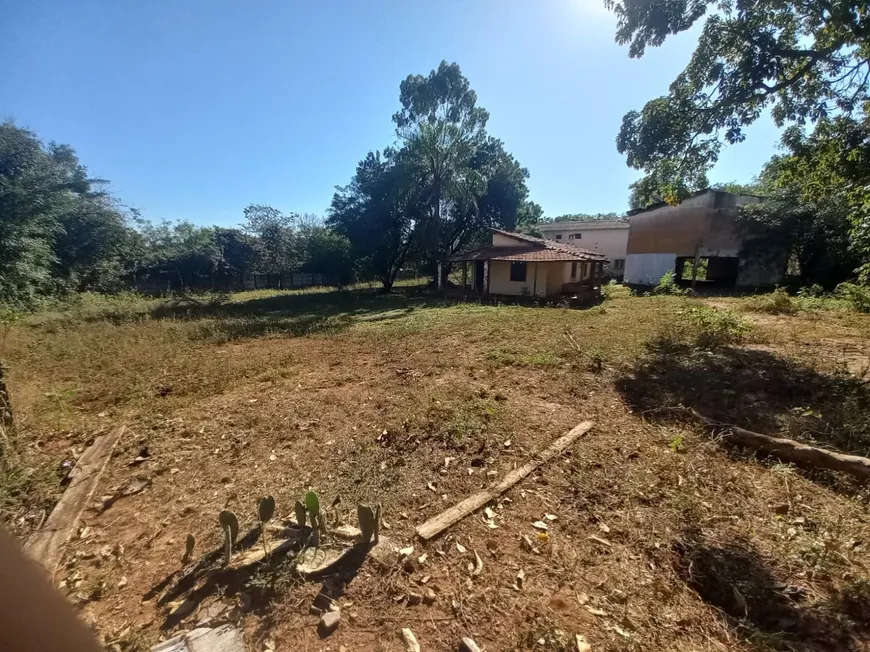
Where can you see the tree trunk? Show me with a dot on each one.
(791, 451)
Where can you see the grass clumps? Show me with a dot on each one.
(614, 290)
(668, 285)
(711, 328)
(778, 302)
(858, 296)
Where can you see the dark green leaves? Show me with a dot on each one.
(803, 61)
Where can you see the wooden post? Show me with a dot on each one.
(535, 282)
(695, 266)
(486, 277)
(440, 278)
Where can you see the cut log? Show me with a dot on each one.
(789, 450)
(434, 526)
(45, 544)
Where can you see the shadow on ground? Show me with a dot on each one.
(261, 582)
(736, 579)
(292, 315)
(757, 390)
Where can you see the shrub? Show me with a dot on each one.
(777, 302)
(711, 327)
(614, 290)
(668, 285)
(858, 296)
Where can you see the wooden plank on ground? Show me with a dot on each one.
(434, 526)
(45, 544)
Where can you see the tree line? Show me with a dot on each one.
(430, 192)
(416, 201)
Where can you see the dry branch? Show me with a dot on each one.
(45, 545)
(434, 526)
(789, 450)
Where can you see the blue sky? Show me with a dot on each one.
(196, 108)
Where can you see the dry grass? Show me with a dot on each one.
(365, 396)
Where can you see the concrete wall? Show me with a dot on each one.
(703, 225)
(613, 243)
(648, 269)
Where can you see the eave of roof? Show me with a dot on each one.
(552, 245)
(527, 254)
(591, 225)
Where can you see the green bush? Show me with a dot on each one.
(711, 327)
(858, 296)
(777, 302)
(668, 285)
(614, 290)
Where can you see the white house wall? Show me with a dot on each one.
(613, 243)
(648, 269)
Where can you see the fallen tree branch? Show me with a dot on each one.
(789, 450)
(437, 524)
(45, 544)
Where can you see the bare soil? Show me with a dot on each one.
(660, 537)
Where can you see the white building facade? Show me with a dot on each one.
(609, 237)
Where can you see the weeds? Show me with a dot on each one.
(858, 296)
(777, 302)
(668, 285)
(710, 328)
(614, 290)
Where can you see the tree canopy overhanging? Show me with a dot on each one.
(807, 62)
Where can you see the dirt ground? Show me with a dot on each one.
(660, 537)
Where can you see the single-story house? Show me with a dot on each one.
(516, 264)
(608, 237)
(702, 228)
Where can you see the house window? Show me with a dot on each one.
(575, 236)
(619, 263)
(558, 236)
(518, 272)
(574, 270)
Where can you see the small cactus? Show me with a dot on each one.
(301, 513)
(189, 545)
(230, 526)
(367, 522)
(312, 504)
(265, 510)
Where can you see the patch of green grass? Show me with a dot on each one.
(711, 327)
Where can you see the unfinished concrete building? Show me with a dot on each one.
(702, 228)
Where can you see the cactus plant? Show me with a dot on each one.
(367, 522)
(312, 504)
(230, 526)
(265, 510)
(189, 545)
(301, 513)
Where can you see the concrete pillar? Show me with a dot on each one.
(486, 277)
(440, 281)
(464, 274)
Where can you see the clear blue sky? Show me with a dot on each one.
(196, 108)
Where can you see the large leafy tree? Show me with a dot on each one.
(804, 60)
(810, 231)
(465, 177)
(59, 231)
(378, 212)
(277, 251)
